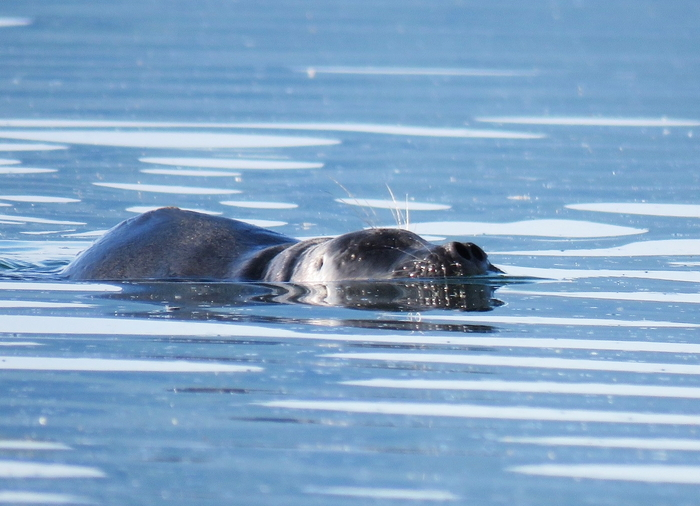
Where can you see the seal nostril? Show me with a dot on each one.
(477, 252)
(462, 250)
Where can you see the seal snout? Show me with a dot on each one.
(470, 257)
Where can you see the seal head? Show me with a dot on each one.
(376, 254)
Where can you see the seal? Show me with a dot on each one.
(170, 243)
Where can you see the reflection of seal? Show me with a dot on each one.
(170, 243)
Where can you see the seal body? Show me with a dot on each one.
(170, 243)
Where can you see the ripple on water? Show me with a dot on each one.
(23, 469)
(164, 139)
(24, 170)
(590, 121)
(401, 494)
(647, 209)
(191, 173)
(400, 205)
(9, 22)
(420, 131)
(157, 188)
(258, 205)
(38, 199)
(416, 71)
(16, 146)
(232, 163)
(665, 247)
(145, 209)
(30, 219)
(659, 473)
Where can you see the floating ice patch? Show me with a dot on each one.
(116, 365)
(675, 210)
(394, 204)
(535, 228)
(525, 362)
(670, 298)
(692, 445)
(16, 146)
(536, 387)
(666, 247)
(259, 205)
(7, 22)
(232, 163)
(590, 121)
(38, 199)
(169, 140)
(29, 219)
(145, 209)
(646, 473)
(8, 161)
(157, 188)
(416, 71)
(22, 469)
(396, 494)
(488, 412)
(191, 173)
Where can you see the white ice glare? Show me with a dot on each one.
(163, 139)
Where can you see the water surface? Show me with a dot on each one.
(562, 138)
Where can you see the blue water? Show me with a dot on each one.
(560, 137)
